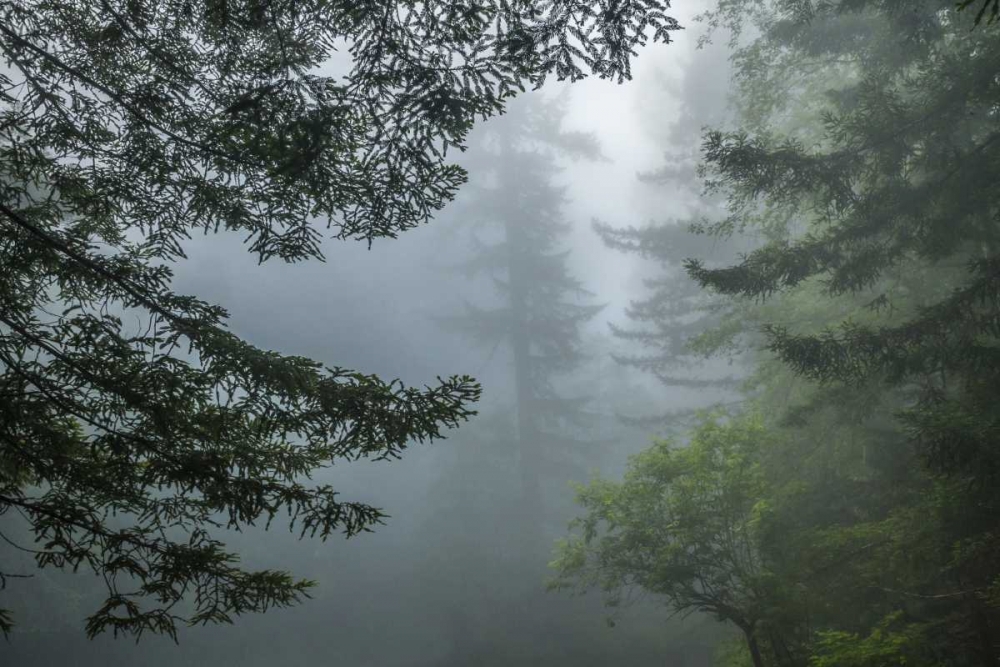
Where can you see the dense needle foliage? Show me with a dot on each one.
(131, 421)
(864, 161)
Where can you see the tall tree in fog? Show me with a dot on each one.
(896, 228)
(521, 248)
(674, 324)
(509, 471)
(126, 127)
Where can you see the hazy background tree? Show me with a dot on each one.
(508, 483)
(519, 232)
(672, 324)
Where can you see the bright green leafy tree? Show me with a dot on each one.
(682, 526)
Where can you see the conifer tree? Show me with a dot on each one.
(128, 126)
(865, 156)
(509, 475)
(676, 324)
(541, 307)
(901, 182)
(895, 211)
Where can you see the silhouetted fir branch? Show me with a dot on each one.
(993, 6)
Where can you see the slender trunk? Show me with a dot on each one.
(758, 661)
(527, 436)
(527, 430)
(981, 620)
(526, 614)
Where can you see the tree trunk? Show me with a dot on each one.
(986, 636)
(758, 661)
(527, 427)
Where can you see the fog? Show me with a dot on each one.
(458, 573)
(396, 596)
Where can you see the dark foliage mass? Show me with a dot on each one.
(847, 513)
(131, 421)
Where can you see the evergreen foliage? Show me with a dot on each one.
(901, 181)
(132, 423)
(675, 313)
(874, 300)
(668, 330)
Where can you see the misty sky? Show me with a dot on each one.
(301, 308)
